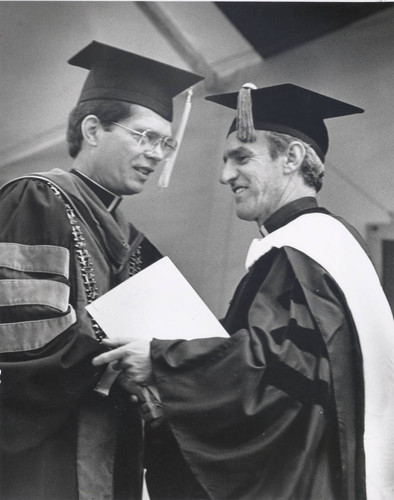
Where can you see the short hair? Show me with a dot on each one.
(312, 168)
(106, 110)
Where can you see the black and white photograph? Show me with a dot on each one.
(196, 250)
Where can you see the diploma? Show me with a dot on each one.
(158, 302)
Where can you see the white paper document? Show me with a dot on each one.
(158, 302)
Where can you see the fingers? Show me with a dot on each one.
(138, 348)
(108, 357)
(133, 359)
(115, 341)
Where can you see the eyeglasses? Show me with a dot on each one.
(151, 140)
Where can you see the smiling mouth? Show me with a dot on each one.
(144, 170)
(238, 189)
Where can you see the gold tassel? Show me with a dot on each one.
(245, 126)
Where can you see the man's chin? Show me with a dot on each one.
(245, 215)
(133, 189)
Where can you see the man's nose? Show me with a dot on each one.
(229, 173)
(155, 152)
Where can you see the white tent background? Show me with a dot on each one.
(193, 220)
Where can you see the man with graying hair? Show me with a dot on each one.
(64, 242)
(297, 403)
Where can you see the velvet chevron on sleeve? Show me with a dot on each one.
(44, 362)
(59, 438)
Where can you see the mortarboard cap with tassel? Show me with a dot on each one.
(287, 109)
(124, 76)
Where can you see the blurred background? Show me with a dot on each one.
(344, 50)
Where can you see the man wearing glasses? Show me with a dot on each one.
(64, 242)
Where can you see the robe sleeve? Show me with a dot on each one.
(233, 404)
(45, 360)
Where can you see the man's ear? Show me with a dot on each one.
(89, 128)
(294, 157)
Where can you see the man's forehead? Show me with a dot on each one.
(234, 144)
(145, 117)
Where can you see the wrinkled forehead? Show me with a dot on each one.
(234, 149)
(233, 143)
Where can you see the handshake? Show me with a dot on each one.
(132, 359)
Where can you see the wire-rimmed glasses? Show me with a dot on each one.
(150, 139)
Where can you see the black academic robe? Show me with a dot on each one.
(275, 411)
(59, 438)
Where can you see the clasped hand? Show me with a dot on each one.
(131, 357)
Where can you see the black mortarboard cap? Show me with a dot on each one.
(290, 109)
(124, 76)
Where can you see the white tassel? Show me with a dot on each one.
(164, 179)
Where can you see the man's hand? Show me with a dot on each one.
(133, 358)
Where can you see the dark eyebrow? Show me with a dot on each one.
(235, 153)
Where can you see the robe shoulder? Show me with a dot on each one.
(32, 214)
